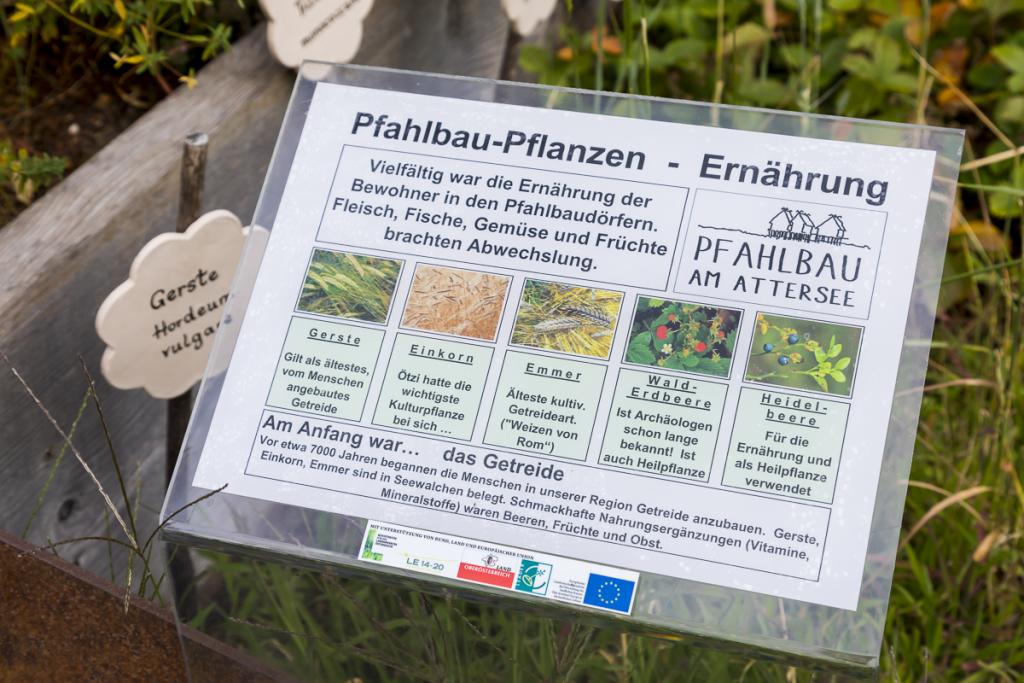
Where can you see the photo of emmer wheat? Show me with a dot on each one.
(567, 318)
(464, 303)
(349, 286)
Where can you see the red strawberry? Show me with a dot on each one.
(700, 347)
(661, 332)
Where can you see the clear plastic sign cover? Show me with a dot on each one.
(645, 359)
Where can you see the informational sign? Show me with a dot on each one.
(159, 325)
(610, 346)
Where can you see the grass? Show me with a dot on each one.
(332, 628)
(958, 593)
(138, 544)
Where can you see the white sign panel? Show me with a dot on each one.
(159, 325)
(324, 30)
(664, 348)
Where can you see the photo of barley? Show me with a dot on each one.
(567, 318)
(465, 303)
(349, 286)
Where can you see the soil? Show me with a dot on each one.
(78, 104)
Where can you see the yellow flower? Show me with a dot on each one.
(22, 12)
(125, 59)
(189, 79)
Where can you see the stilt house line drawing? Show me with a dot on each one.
(798, 225)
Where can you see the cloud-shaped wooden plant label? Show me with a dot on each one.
(526, 15)
(159, 324)
(326, 30)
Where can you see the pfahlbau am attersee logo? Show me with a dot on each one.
(798, 255)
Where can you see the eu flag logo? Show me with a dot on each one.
(609, 593)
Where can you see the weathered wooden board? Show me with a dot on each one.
(60, 258)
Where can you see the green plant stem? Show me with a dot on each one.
(78, 22)
(181, 36)
(980, 271)
(53, 469)
(1016, 192)
(113, 452)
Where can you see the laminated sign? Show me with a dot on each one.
(635, 357)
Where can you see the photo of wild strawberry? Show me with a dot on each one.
(683, 336)
(803, 354)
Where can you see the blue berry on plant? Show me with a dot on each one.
(783, 360)
(793, 338)
(768, 347)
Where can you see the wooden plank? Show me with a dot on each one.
(60, 258)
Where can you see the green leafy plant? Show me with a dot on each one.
(25, 173)
(1011, 55)
(683, 336)
(161, 38)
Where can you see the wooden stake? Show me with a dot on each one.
(190, 202)
(179, 408)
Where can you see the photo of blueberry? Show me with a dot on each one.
(796, 353)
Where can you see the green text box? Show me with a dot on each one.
(325, 368)
(433, 386)
(545, 405)
(786, 445)
(663, 424)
